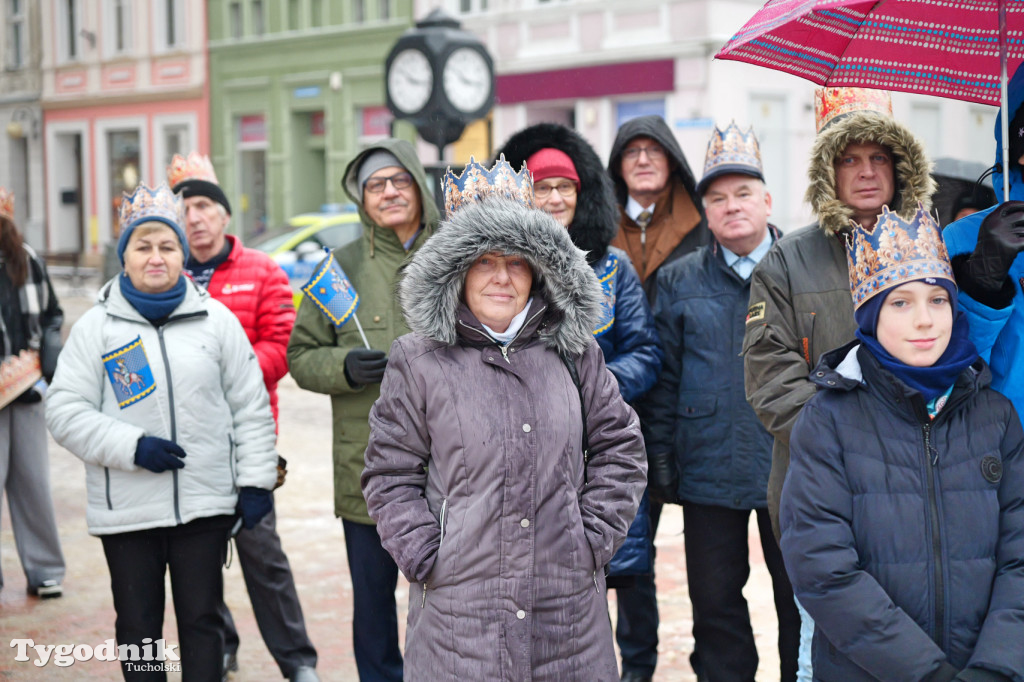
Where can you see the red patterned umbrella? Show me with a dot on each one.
(958, 49)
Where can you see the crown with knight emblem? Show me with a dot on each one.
(477, 183)
(893, 252)
(731, 151)
(6, 204)
(158, 203)
(195, 166)
(831, 104)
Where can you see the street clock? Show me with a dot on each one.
(440, 78)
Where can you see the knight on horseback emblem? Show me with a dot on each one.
(129, 373)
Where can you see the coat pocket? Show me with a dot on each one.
(693, 405)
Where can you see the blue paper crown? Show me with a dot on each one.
(731, 151)
(158, 203)
(477, 183)
(893, 252)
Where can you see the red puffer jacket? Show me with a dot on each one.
(256, 290)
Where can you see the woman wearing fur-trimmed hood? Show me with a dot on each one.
(475, 471)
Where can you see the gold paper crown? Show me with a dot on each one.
(477, 183)
(731, 151)
(6, 204)
(831, 103)
(158, 203)
(196, 167)
(893, 252)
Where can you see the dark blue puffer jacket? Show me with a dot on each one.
(904, 537)
(697, 414)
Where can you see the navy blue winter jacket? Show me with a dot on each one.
(903, 536)
(697, 414)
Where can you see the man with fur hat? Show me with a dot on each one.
(660, 220)
(256, 290)
(571, 185)
(707, 450)
(388, 183)
(800, 307)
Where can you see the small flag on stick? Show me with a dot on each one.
(332, 292)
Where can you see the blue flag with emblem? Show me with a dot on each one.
(330, 290)
(129, 373)
(606, 276)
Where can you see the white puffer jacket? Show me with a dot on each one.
(208, 397)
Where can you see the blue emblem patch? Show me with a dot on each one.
(332, 292)
(606, 276)
(129, 373)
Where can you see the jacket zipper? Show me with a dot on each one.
(444, 514)
(933, 460)
(174, 426)
(505, 348)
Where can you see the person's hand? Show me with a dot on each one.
(282, 471)
(253, 505)
(365, 366)
(157, 454)
(1000, 239)
(663, 478)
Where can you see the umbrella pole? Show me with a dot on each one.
(1003, 100)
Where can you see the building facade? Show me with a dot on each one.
(123, 89)
(297, 90)
(593, 64)
(21, 142)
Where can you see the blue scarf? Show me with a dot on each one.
(930, 382)
(153, 306)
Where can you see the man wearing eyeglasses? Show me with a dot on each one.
(388, 183)
(661, 220)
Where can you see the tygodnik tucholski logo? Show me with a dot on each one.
(151, 656)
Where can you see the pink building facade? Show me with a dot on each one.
(124, 88)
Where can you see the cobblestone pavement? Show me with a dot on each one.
(312, 537)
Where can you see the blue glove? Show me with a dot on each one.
(253, 505)
(157, 454)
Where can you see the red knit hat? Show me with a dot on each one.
(552, 163)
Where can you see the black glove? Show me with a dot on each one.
(1000, 239)
(365, 366)
(663, 478)
(253, 505)
(157, 454)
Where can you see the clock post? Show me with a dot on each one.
(439, 77)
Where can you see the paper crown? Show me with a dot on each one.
(731, 151)
(477, 183)
(158, 203)
(833, 103)
(194, 167)
(6, 204)
(893, 252)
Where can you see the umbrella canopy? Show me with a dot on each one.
(957, 49)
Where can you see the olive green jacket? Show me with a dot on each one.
(317, 350)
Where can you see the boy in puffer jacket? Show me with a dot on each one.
(902, 512)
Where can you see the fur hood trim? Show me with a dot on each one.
(597, 215)
(431, 289)
(912, 169)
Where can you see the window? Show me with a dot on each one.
(468, 6)
(117, 15)
(68, 23)
(384, 9)
(294, 15)
(169, 24)
(235, 19)
(316, 12)
(16, 34)
(358, 11)
(176, 141)
(257, 17)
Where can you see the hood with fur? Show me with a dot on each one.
(431, 289)
(912, 168)
(597, 216)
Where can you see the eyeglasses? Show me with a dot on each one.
(566, 189)
(398, 180)
(654, 152)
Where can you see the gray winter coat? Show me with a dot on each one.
(475, 473)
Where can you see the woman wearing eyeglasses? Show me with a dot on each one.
(570, 183)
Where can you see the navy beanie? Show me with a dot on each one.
(126, 234)
(867, 314)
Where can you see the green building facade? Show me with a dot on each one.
(296, 91)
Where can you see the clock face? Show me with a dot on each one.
(466, 79)
(410, 81)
